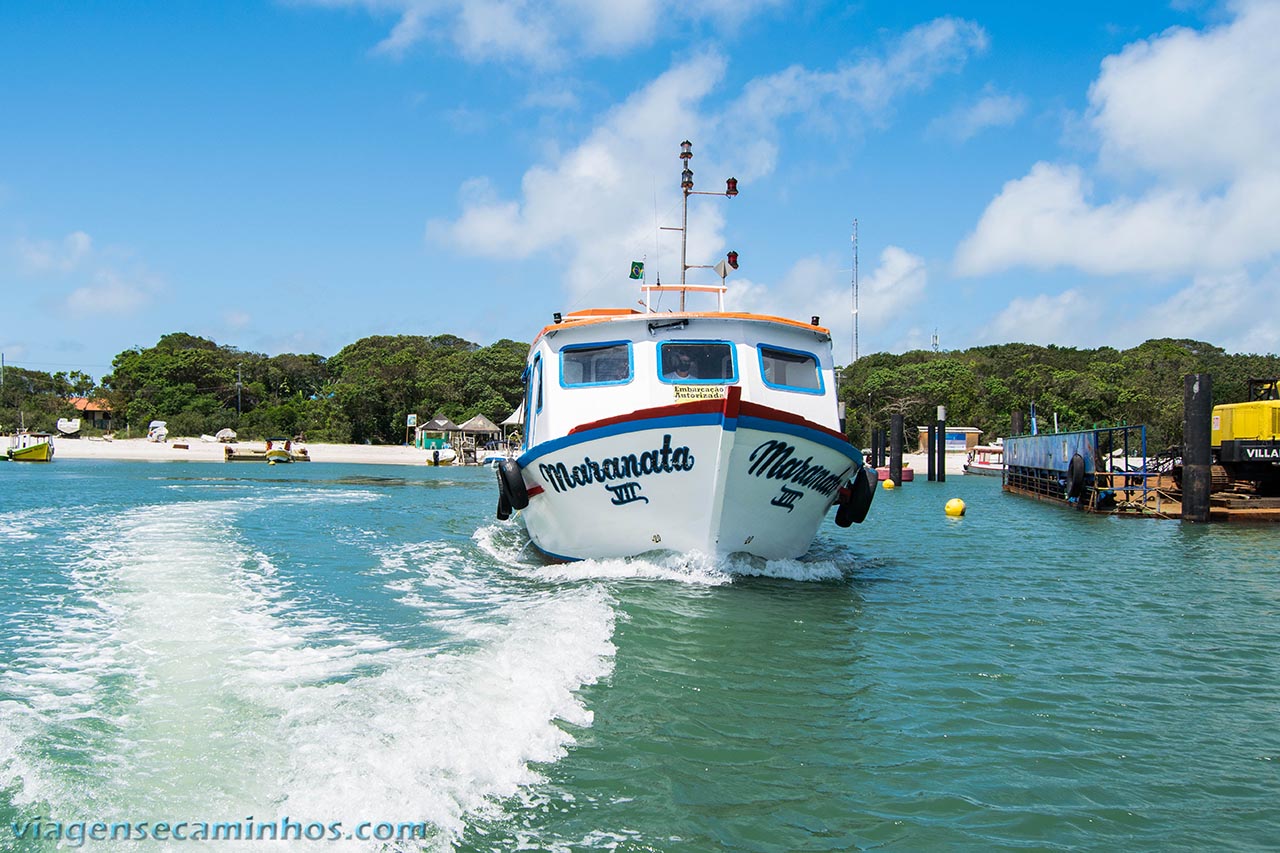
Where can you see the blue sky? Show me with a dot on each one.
(293, 176)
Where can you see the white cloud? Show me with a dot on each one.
(544, 33)
(1196, 117)
(887, 299)
(582, 203)
(109, 293)
(1224, 309)
(992, 109)
(45, 256)
(861, 91)
(1063, 319)
(585, 204)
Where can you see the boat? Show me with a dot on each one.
(282, 450)
(884, 472)
(28, 446)
(986, 460)
(713, 431)
(158, 431)
(69, 426)
(276, 450)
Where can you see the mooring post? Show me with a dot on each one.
(942, 444)
(933, 438)
(895, 449)
(1015, 422)
(1197, 395)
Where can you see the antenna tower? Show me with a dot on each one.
(855, 291)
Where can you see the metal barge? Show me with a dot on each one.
(1109, 471)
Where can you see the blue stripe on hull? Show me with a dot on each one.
(706, 419)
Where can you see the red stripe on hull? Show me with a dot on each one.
(732, 406)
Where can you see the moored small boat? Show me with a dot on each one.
(31, 447)
(986, 460)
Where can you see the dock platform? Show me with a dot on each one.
(1107, 471)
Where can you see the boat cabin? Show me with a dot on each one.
(595, 365)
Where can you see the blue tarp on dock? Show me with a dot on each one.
(1051, 451)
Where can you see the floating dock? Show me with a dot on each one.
(1108, 471)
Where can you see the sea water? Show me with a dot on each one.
(362, 658)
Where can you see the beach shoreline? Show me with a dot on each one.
(195, 450)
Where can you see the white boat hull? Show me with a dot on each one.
(715, 477)
(985, 469)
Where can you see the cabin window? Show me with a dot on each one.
(537, 383)
(697, 362)
(596, 364)
(790, 370)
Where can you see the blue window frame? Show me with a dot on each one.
(532, 398)
(537, 382)
(697, 362)
(790, 369)
(595, 364)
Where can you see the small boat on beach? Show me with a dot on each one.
(692, 431)
(276, 450)
(986, 460)
(28, 446)
(279, 450)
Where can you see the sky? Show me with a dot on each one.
(292, 176)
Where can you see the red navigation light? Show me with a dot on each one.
(732, 257)
(731, 187)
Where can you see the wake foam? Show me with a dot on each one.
(510, 545)
(182, 678)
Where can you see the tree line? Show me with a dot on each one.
(365, 391)
(983, 386)
(362, 394)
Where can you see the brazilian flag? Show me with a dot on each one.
(637, 269)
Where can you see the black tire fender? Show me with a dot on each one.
(504, 505)
(1075, 476)
(511, 484)
(855, 499)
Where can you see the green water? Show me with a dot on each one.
(335, 643)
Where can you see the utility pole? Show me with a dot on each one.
(238, 386)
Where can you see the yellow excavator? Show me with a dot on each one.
(1245, 438)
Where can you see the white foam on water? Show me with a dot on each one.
(449, 735)
(185, 680)
(510, 543)
(27, 523)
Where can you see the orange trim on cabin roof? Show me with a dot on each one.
(593, 316)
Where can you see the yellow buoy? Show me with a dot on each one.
(955, 508)
(889, 484)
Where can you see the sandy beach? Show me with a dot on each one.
(195, 450)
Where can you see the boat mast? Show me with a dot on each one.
(686, 184)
